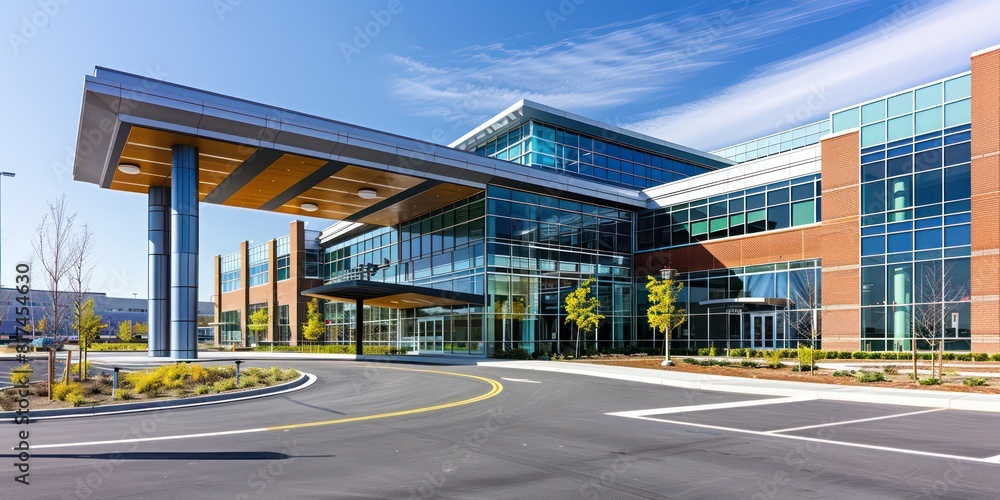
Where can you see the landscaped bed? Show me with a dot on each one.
(897, 376)
(164, 383)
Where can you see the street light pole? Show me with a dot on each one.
(667, 273)
(2, 175)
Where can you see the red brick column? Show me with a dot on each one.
(985, 320)
(840, 240)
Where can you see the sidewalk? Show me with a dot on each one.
(705, 382)
(140, 358)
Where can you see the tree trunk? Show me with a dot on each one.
(913, 346)
(941, 360)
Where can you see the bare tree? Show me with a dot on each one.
(807, 323)
(941, 296)
(78, 277)
(53, 248)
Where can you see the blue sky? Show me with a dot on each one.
(704, 74)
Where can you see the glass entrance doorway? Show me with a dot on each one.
(430, 334)
(762, 331)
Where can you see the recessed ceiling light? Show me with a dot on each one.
(367, 193)
(309, 207)
(129, 168)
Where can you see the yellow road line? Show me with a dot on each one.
(496, 387)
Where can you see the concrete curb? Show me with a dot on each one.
(702, 382)
(304, 380)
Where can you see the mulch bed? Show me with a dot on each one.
(821, 376)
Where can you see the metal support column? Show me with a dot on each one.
(359, 326)
(184, 253)
(159, 272)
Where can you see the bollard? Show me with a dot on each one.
(114, 384)
(238, 362)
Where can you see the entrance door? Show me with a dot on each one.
(430, 334)
(762, 330)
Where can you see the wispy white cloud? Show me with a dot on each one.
(919, 41)
(599, 68)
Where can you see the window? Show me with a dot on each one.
(230, 269)
(257, 260)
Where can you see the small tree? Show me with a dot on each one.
(41, 326)
(125, 330)
(509, 310)
(53, 247)
(937, 289)
(87, 324)
(581, 309)
(806, 323)
(258, 321)
(313, 328)
(663, 313)
(140, 328)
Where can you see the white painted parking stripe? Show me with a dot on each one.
(995, 459)
(825, 441)
(715, 406)
(831, 424)
(143, 440)
(520, 380)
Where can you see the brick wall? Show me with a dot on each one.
(985, 259)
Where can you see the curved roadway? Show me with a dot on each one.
(372, 430)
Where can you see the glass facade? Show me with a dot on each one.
(282, 261)
(230, 268)
(769, 306)
(257, 261)
(539, 249)
(545, 146)
(229, 330)
(284, 333)
(779, 205)
(777, 143)
(916, 216)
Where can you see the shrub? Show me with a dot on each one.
(123, 346)
(930, 381)
(859, 355)
(74, 369)
(289, 374)
(845, 373)
(980, 356)
(226, 384)
(249, 381)
(326, 348)
(712, 351)
(203, 389)
(773, 359)
(691, 361)
(806, 355)
(62, 390)
(951, 356)
(144, 382)
(995, 357)
(723, 362)
(75, 399)
(21, 375)
(516, 353)
(891, 369)
(736, 352)
(974, 382)
(866, 377)
(703, 351)
(844, 355)
(746, 363)
(41, 388)
(125, 395)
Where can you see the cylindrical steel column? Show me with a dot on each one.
(359, 327)
(184, 253)
(159, 272)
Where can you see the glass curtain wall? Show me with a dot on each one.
(539, 249)
(769, 306)
(916, 215)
